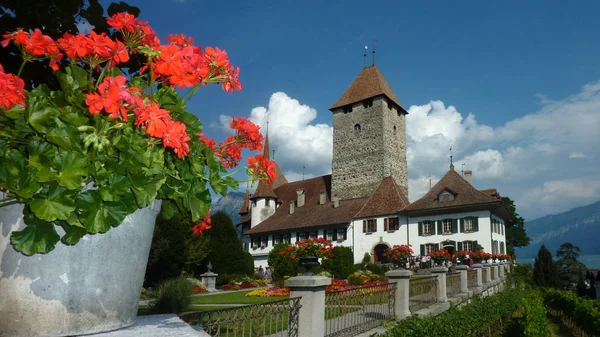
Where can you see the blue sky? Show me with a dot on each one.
(528, 73)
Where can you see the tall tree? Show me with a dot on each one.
(544, 269)
(54, 18)
(226, 249)
(516, 235)
(569, 269)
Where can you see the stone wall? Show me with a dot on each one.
(362, 158)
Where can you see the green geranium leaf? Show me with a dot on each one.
(198, 200)
(40, 111)
(117, 186)
(16, 175)
(72, 234)
(15, 112)
(71, 115)
(40, 154)
(65, 137)
(38, 237)
(97, 215)
(80, 75)
(145, 188)
(56, 203)
(169, 209)
(71, 168)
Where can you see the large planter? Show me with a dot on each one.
(91, 287)
(308, 262)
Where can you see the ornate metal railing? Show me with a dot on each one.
(472, 279)
(452, 284)
(484, 272)
(350, 312)
(277, 317)
(422, 292)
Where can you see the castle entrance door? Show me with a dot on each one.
(378, 253)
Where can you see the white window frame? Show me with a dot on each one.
(429, 247)
(447, 222)
(396, 226)
(340, 234)
(427, 224)
(329, 235)
(468, 224)
(371, 225)
(466, 245)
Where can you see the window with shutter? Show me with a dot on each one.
(460, 245)
(447, 226)
(420, 228)
(423, 250)
(475, 224)
(364, 226)
(371, 226)
(393, 224)
(385, 224)
(454, 225)
(440, 228)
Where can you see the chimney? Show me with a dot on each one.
(336, 202)
(292, 207)
(468, 174)
(300, 197)
(322, 198)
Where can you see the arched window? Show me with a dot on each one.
(357, 127)
(394, 129)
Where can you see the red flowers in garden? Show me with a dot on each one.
(398, 253)
(203, 225)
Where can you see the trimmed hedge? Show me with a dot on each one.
(480, 317)
(583, 313)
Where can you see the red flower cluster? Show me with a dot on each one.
(97, 48)
(262, 167)
(134, 31)
(203, 225)
(398, 252)
(12, 90)
(440, 254)
(35, 44)
(461, 254)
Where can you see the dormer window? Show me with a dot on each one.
(445, 196)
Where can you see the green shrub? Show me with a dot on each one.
(379, 269)
(473, 319)
(341, 262)
(534, 323)
(229, 278)
(282, 265)
(172, 296)
(366, 258)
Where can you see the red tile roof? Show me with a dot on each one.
(464, 194)
(387, 199)
(311, 214)
(369, 83)
(246, 204)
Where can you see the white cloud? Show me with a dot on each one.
(524, 159)
(84, 27)
(297, 141)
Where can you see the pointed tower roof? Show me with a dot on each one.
(265, 190)
(387, 199)
(369, 83)
(464, 194)
(245, 205)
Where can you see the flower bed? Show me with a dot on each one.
(244, 283)
(274, 291)
(199, 288)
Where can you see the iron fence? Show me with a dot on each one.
(422, 292)
(452, 284)
(472, 279)
(350, 312)
(484, 272)
(278, 318)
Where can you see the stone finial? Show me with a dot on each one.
(209, 266)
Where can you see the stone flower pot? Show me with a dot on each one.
(308, 262)
(91, 287)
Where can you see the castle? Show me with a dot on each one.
(363, 204)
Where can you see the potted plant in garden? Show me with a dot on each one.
(439, 256)
(399, 255)
(103, 154)
(308, 252)
(462, 256)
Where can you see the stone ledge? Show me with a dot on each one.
(168, 325)
(307, 281)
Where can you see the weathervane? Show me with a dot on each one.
(365, 56)
(303, 167)
(462, 170)
(451, 165)
(374, 42)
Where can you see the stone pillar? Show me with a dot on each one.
(464, 283)
(401, 278)
(501, 270)
(312, 314)
(440, 272)
(494, 271)
(478, 268)
(209, 279)
(488, 268)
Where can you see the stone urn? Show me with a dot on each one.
(308, 262)
(91, 287)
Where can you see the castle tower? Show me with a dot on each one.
(369, 137)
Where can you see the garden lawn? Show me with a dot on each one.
(238, 297)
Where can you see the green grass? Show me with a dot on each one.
(238, 297)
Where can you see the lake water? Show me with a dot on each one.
(591, 261)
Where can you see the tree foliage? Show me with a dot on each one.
(282, 265)
(226, 251)
(544, 269)
(341, 263)
(569, 269)
(516, 235)
(175, 249)
(55, 18)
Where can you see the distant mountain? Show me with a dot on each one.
(580, 226)
(230, 204)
